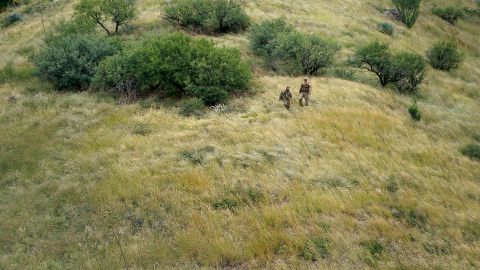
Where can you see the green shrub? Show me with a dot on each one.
(409, 10)
(344, 73)
(472, 151)
(316, 249)
(448, 14)
(386, 28)
(414, 111)
(375, 57)
(373, 247)
(471, 230)
(142, 129)
(197, 156)
(11, 19)
(408, 72)
(192, 107)
(69, 60)
(444, 56)
(263, 37)
(176, 65)
(104, 12)
(209, 15)
(306, 54)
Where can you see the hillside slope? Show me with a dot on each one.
(86, 182)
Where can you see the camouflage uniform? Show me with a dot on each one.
(305, 91)
(286, 97)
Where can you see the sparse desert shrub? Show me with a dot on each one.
(69, 60)
(209, 15)
(11, 19)
(238, 197)
(374, 247)
(412, 216)
(408, 72)
(315, 249)
(192, 107)
(141, 129)
(197, 156)
(303, 53)
(409, 10)
(414, 111)
(444, 56)
(344, 73)
(375, 57)
(386, 28)
(177, 65)
(449, 14)
(263, 37)
(107, 12)
(472, 151)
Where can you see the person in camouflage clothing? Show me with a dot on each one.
(286, 97)
(305, 91)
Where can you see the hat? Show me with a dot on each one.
(305, 79)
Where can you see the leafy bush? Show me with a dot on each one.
(409, 10)
(192, 107)
(69, 58)
(449, 14)
(11, 19)
(444, 56)
(344, 73)
(176, 65)
(264, 36)
(316, 249)
(414, 111)
(304, 53)
(386, 28)
(375, 57)
(407, 72)
(209, 15)
(105, 12)
(472, 151)
(296, 52)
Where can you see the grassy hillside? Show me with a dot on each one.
(85, 181)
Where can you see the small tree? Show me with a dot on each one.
(407, 72)
(264, 36)
(444, 56)
(107, 12)
(409, 10)
(305, 54)
(375, 57)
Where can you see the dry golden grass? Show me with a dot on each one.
(77, 168)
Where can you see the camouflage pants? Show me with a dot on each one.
(306, 96)
(287, 103)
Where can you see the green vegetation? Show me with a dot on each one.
(316, 249)
(11, 19)
(192, 107)
(444, 55)
(405, 70)
(449, 14)
(472, 151)
(69, 57)
(414, 111)
(209, 16)
(409, 10)
(292, 51)
(104, 12)
(176, 65)
(386, 28)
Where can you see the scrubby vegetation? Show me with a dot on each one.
(210, 16)
(107, 12)
(176, 65)
(449, 14)
(405, 70)
(158, 180)
(292, 51)
(386, 28)
(444, 55)
(414, 111)
(409, 11)
(71, 54)
(11, 19)
(472, 151)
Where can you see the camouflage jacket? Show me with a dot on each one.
(305, 88)
(285, 95)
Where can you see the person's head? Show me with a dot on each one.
(288, 88)
(305, 80)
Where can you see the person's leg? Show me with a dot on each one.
(301, 99)
(307, 98)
